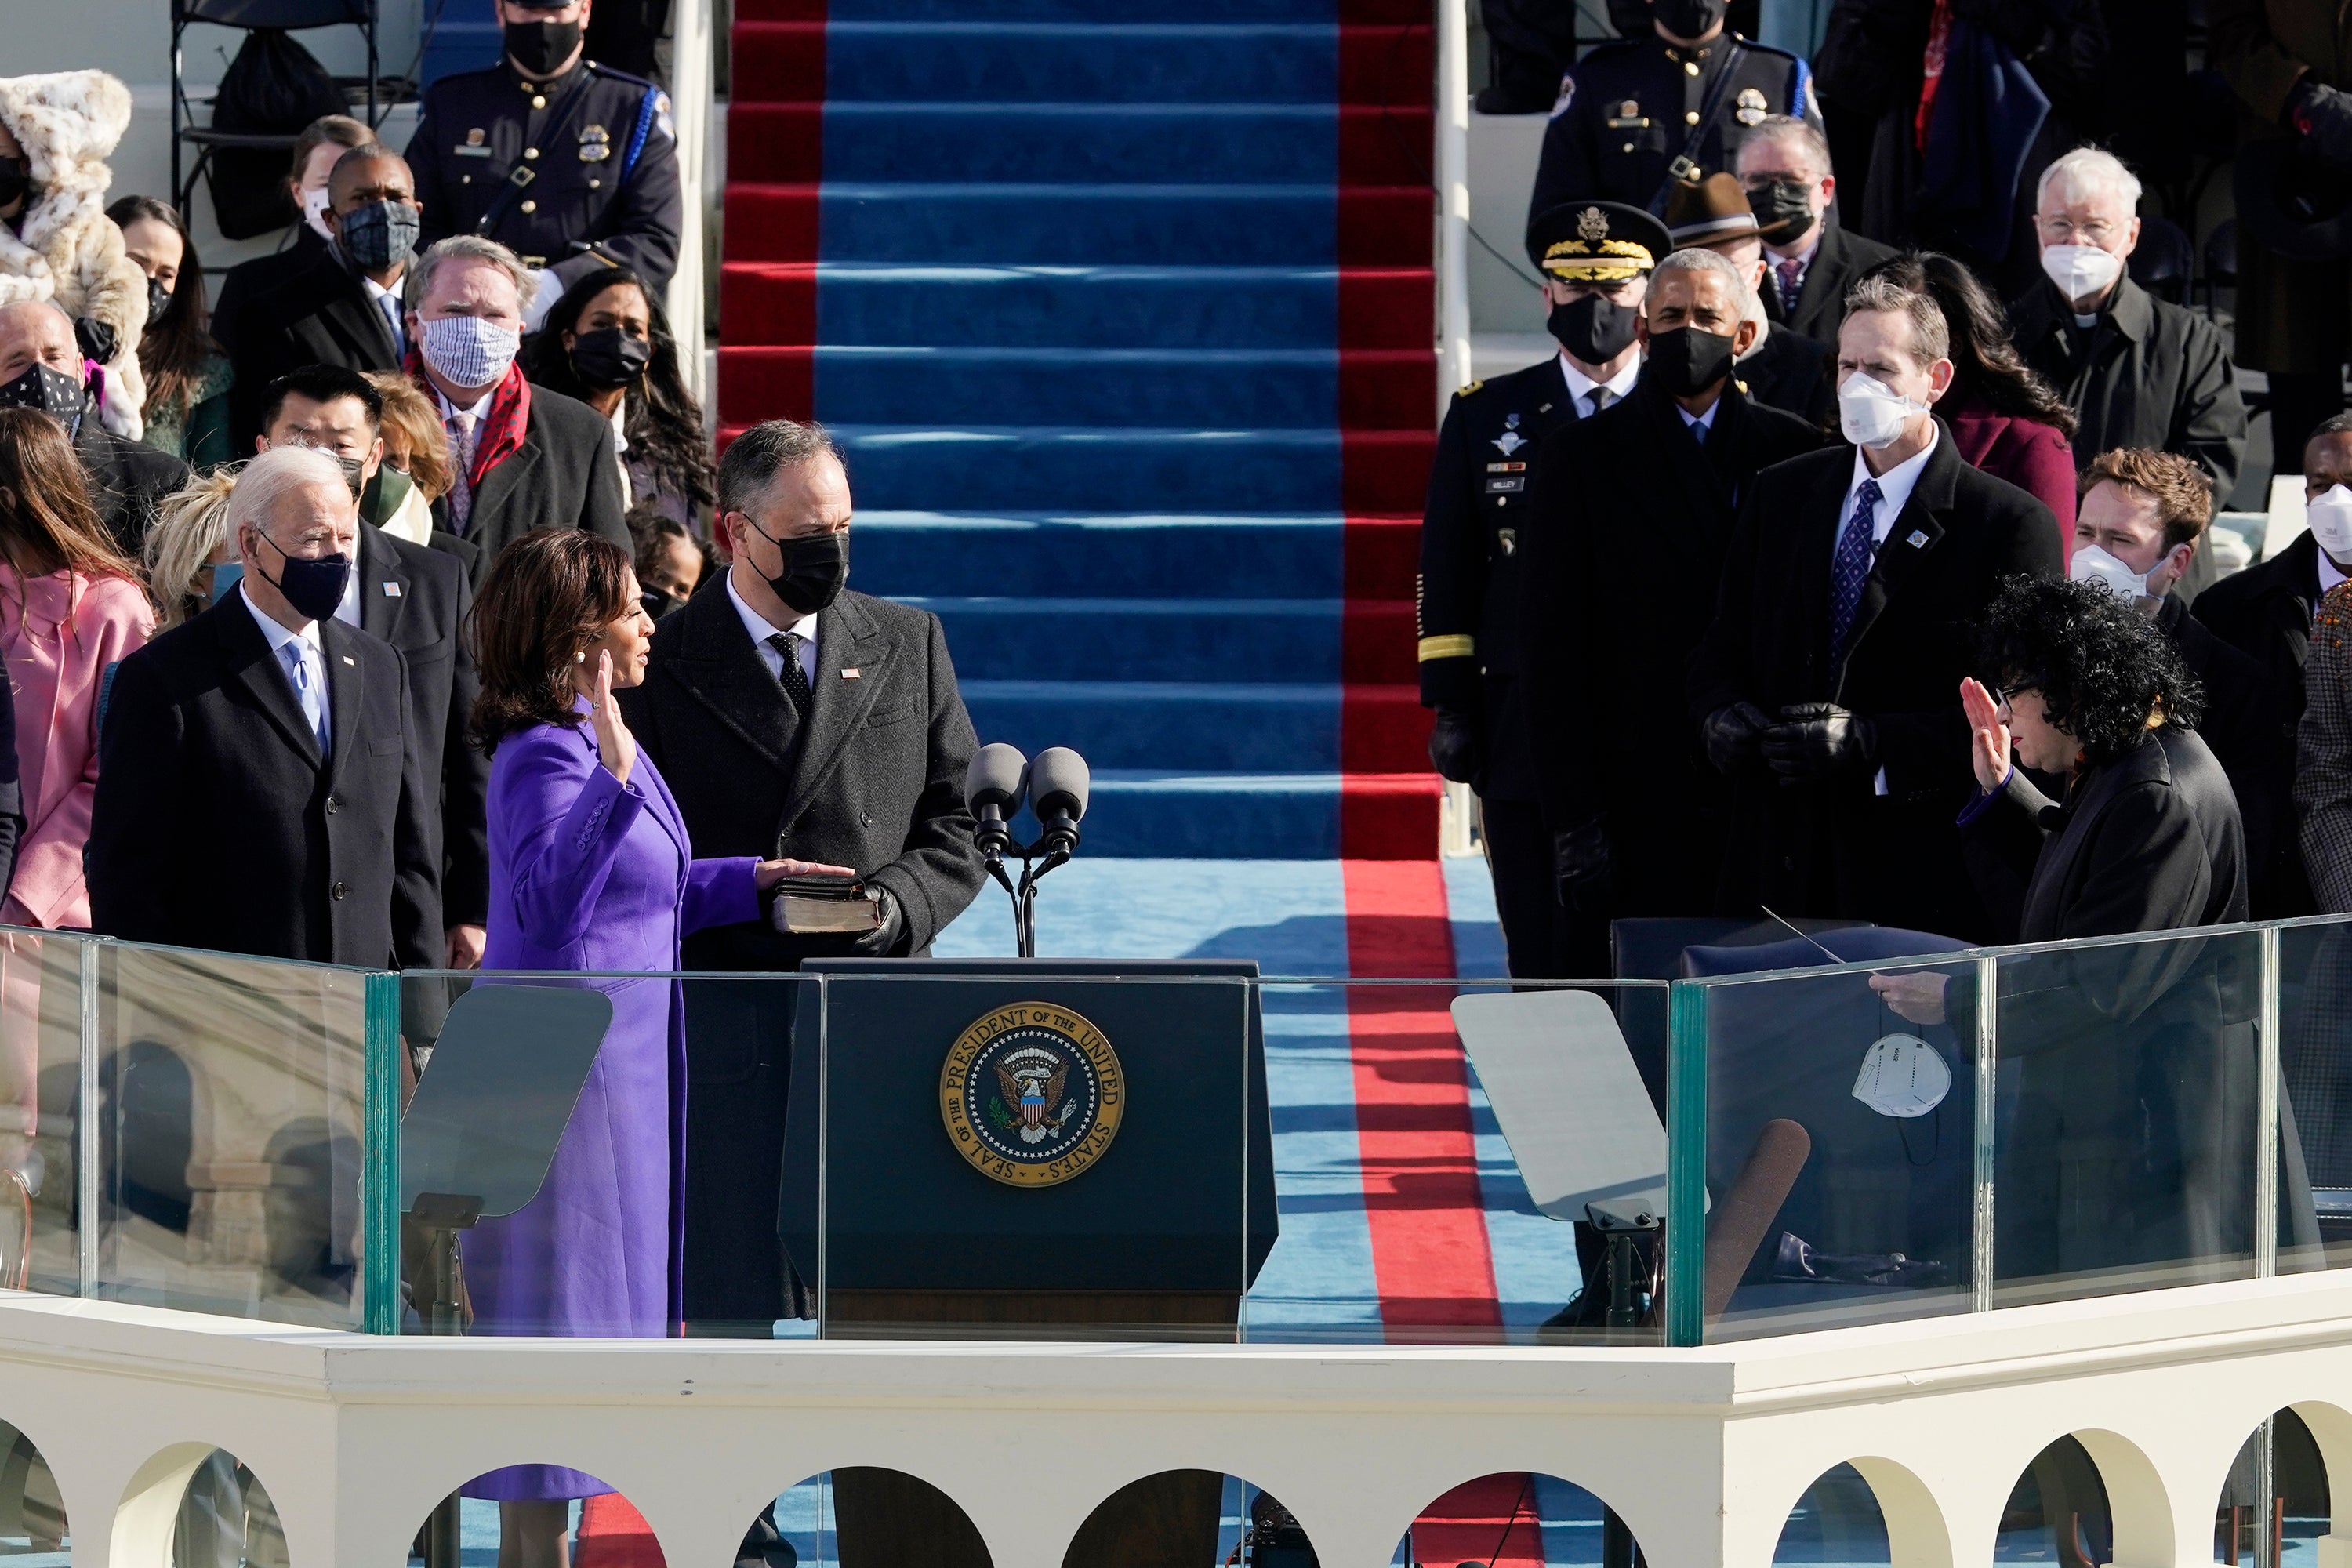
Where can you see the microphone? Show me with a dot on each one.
(992, 787)
(1058, 782)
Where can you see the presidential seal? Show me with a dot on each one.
(1031, 1094)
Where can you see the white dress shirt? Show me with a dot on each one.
(761, 629)
(1699, 424)
(1776, 259)
(312, 695)
(1579, 385)
(1894, 487)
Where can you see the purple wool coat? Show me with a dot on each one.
(587, 873)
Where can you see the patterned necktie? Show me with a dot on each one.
(461, 447)
(1793, 282)
(1600, 398)
(792, 678)
(1851, 568)
(296, 658)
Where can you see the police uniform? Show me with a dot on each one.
(1466, 598)
(1635, 116)
(572, 174)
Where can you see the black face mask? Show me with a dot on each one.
(1692, 19)
(15, 179)
(313, 587)
(609, 357)
(815, 566)
(159, 299)
(540, 46)
(1594, 329)
(55, 393)
(1686, 361)
(1783, 211)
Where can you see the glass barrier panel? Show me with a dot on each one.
(40, 1098)
(1835, 1111)
(2315, 1188)
(595, 1154)
(2127, 1115)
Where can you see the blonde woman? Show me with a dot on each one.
(190, 556)
(415, 471)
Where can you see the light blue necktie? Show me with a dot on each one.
(295, 656)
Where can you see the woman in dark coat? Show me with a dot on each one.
(2131, 1150)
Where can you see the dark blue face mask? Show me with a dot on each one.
(315, 586)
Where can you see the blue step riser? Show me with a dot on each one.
(1082, 11)
(898, 556)
(1229, 729)
(1233, 392)
(1032, 470)
(1210, 824)
(1145, 145)
(1195, 308)
(997, 63)
(1010, 640)
(1237, 226)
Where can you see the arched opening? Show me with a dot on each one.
(2087, 1499)
(1837, 1520)
(225, 1519)
(865, 1516)
(1517, 1519)
(535, 1516)
(1181, 1519)
(33, 1531)
(2275, 1502)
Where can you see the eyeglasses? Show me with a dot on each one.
(2098, 231)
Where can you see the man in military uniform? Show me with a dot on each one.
(1637, 116)
(568, 164)
(1596, 259)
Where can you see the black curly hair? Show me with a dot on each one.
(2103, 670)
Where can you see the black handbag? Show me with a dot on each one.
(273, 87)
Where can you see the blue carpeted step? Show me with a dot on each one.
(1016, 468)
(1230, 389)
(915, 553)
(1210, 727)
(1196, 640)
(1188, 143)
(1079, 307)
(1141, 814)
(950, 62)
(1079, 11)
(1227, 224)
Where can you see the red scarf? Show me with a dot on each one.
(501, 430)
(1931, 75)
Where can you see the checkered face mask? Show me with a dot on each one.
(467, 349)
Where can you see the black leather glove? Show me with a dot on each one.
(2323, 115)
(94, 338)
(882, 938)
(1453, 746)
(1581, 862)
(1820, 740)
(1730, 735)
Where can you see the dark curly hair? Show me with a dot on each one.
(549, 595)
(1986, 364)
(2106, 674)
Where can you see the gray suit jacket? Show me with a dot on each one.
(563, 476)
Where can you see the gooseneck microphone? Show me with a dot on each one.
(992, 788)
(1056, 784)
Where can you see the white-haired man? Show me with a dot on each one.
(258, 790)
(525, 458)
(2138, 371)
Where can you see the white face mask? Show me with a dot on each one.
(2080, 271)
(314, 212)
(2093, 564)
(1873, 414)
(2329, 513)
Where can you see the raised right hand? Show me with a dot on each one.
(615, 744)
(1987, 736)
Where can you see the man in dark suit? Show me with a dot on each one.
(2266, 612)
(525, 458)
(1828, 686)
(1810, 261)
(1619, 558)
(41, 367)
(267, 719)
(1776, 368)
(416, 599)
(792, 717)
(344, 308)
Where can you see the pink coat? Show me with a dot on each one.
(59, 634)
(2033, 456)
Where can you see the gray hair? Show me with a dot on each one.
(463, 247)
(1931, 335)
(1695, 260)
(275, 473)
(2087, 169)
(754, 459)
(1788, 128)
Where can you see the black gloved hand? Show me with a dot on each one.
(1819, 740)
(1582, 863)
(1730, 735)
(880, 941)
(94, 338)
(2323, 114)
(1453, 746)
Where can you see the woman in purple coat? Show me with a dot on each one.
(590, 869)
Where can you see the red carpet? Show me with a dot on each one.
(614, 1535)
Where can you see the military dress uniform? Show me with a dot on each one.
(1466, 598)
(571, 175)
(1636, 116)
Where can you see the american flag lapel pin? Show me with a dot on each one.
(848, 673)
(349, 660)
(392, 590)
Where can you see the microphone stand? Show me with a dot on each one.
(1053, 848)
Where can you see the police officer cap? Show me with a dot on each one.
(1596, 242)
(1709, 213)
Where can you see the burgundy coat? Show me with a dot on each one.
(2027, 453)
